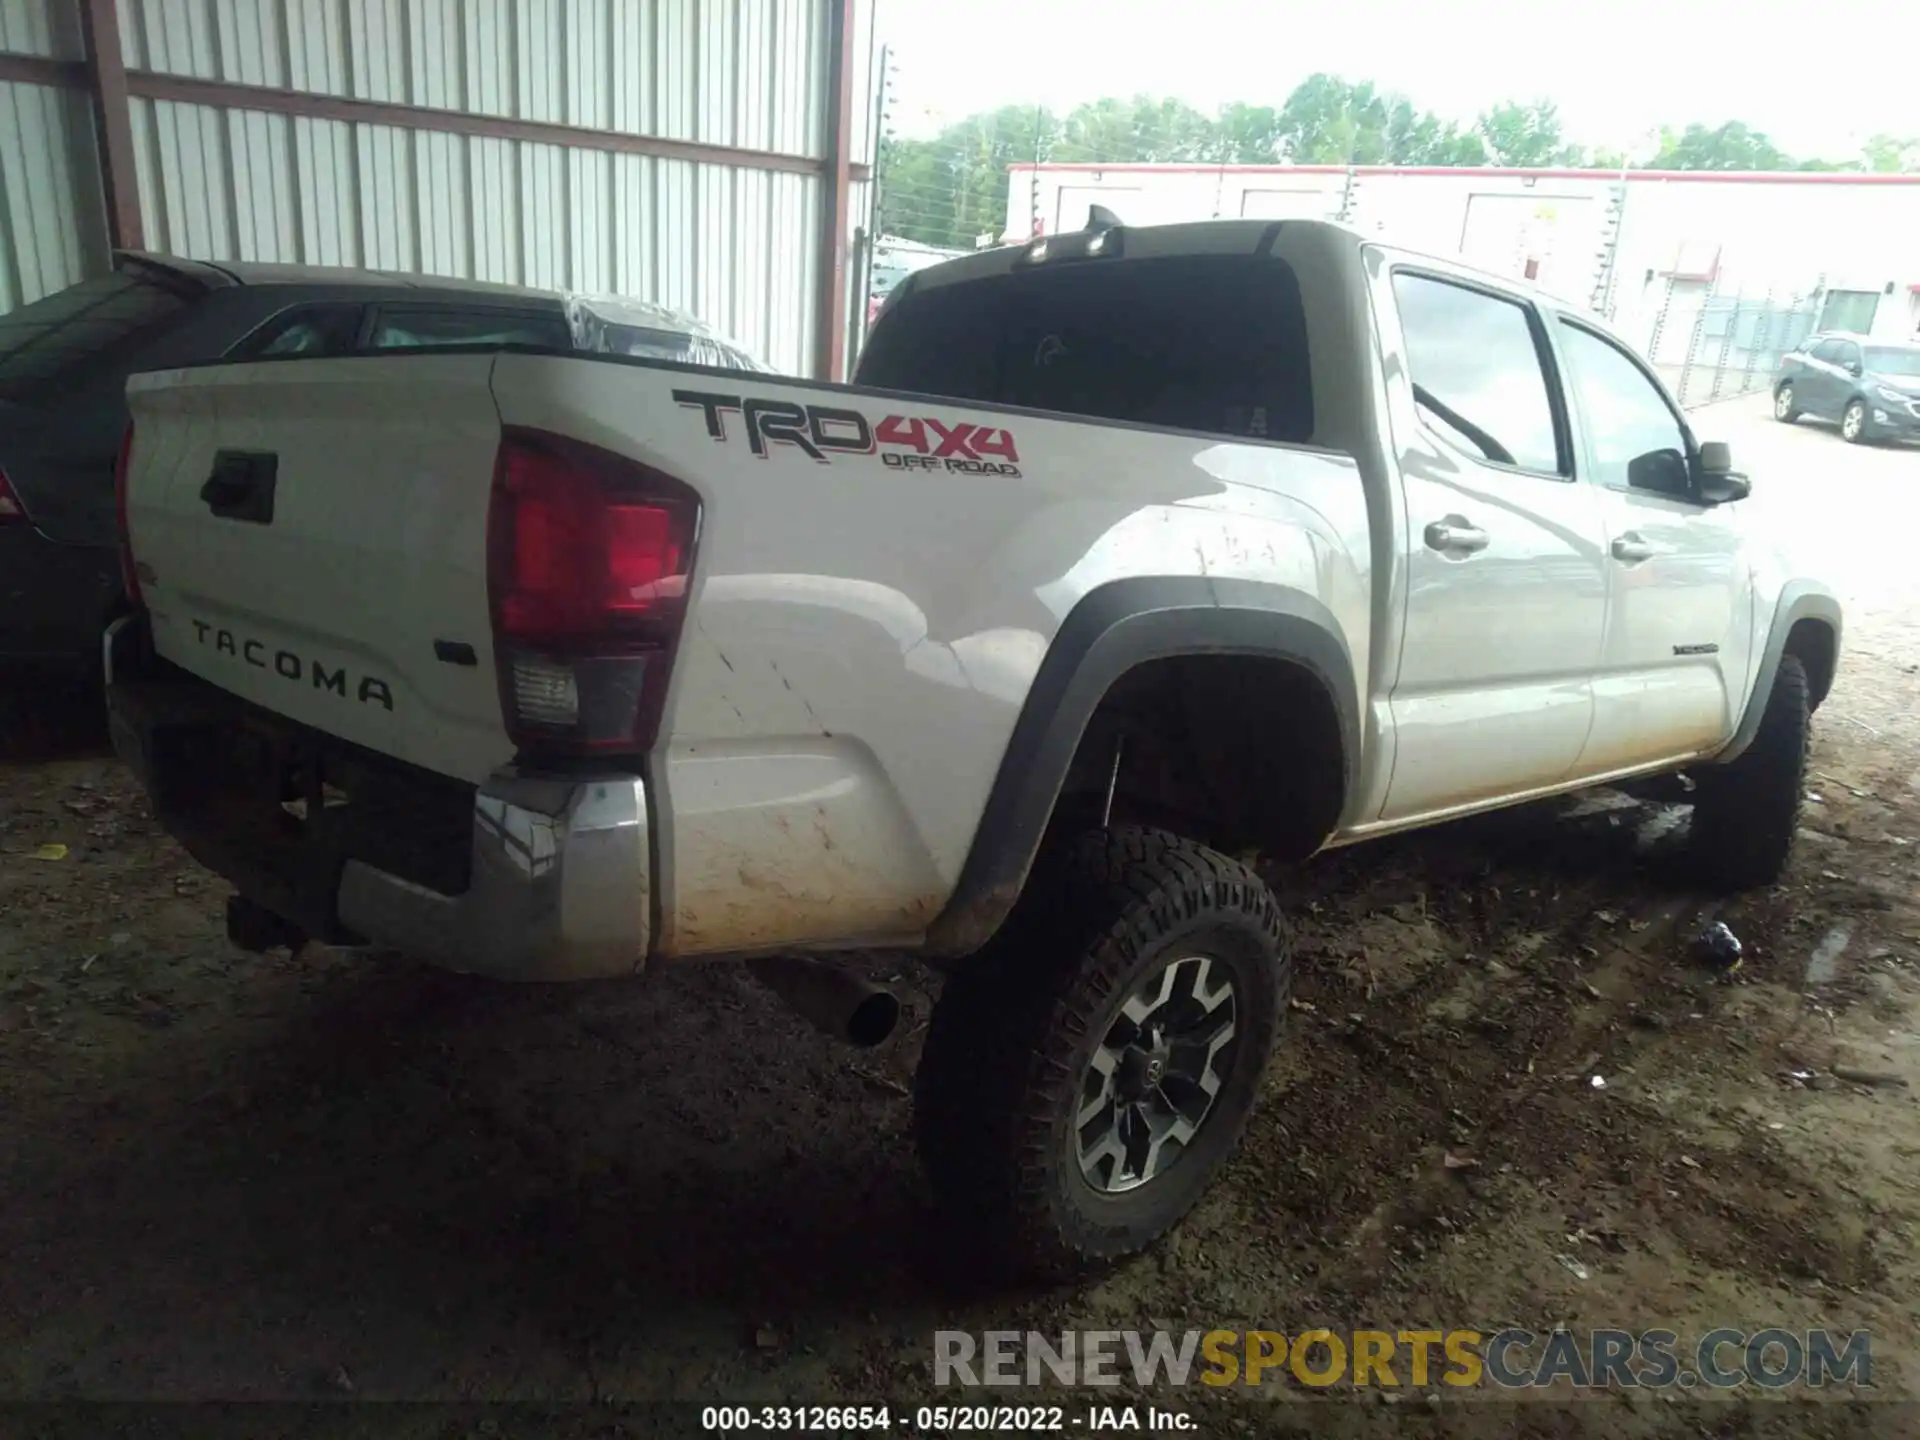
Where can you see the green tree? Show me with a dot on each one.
(1526, 134)
(1732, 146)
(948, 190)
(1247, 135)
(1330, 121)
(1889, 155)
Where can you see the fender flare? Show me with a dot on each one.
(1114, 628)
(1799, 600)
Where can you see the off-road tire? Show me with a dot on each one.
(1745, 813)
(1014, 1029)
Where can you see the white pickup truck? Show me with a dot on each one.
(1131, 550)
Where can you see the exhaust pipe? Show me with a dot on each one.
(832, 999)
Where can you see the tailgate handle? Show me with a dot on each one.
(241, 486)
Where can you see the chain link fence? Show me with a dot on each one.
(1711, 340)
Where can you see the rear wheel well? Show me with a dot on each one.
(1813, 643)
(1240, 752)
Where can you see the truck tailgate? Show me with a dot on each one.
(311, 536)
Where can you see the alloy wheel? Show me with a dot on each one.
(1151, 1082)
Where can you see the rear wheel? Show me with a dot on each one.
(1745, 814)
(1785, 409)
(1088, 1072)
(1853, 422)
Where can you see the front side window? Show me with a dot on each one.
(1637, 440)
(422, 329)
(1477, 372)
(48, 344)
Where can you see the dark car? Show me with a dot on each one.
(1871, 387)
(65, 359)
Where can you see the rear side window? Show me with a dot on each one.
(1211, 343)
(410, 329)
(1831, 351)
(50, 342)
(1477, 372)
(308, 330)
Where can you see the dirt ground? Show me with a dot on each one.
(344, 1177)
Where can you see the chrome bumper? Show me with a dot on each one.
(561, 886)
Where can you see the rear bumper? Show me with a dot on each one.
(554, 884)
(560, 887)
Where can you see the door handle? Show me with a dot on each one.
(241, 486)
(1631, 549)
(1456, 536)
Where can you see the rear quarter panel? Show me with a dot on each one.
(863, 631)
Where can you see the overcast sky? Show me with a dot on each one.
(1816, 81)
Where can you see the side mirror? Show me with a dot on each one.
(1714, 482)
(1853, 368)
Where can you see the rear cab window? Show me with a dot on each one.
(1209, 343)
(410, 327)
(50, 344)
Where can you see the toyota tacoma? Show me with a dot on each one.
(1129, 552)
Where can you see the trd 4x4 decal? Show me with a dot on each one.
(903, 442)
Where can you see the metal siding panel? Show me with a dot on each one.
(377, 49)
(388, 229)
(544, 218)
(540, 40)
(489, 34)
(717, 59)
(714, 261)
(675, 56)
(264, 216)
(590, 220)
(329, 212)
(251, 40)
(49, 28)
(753, 73)
(675, 235)
(316, 39)
(799, 24)
(191, 192)
(446, 217)
(635, 85)
(589, 61)
(494, 168)
(177, 37)
(435, 35)
(52, 232)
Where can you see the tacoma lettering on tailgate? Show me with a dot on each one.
(295, 668)
(903, 442)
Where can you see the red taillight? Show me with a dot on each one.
(128, 577)
(588, 555)
(11, 510)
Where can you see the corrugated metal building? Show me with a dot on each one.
(1638, 245)
(712, 155)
